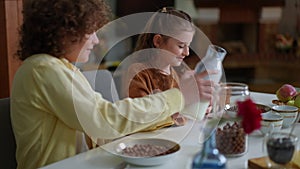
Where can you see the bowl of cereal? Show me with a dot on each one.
(147, 152)
(233, 108)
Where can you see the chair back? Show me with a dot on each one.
(7, 139)
(102, 82)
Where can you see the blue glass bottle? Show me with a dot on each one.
(209, 157)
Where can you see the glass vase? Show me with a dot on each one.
(209, 156)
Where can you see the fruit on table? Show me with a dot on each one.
(286, 92)
(291, 102)
(297, 101)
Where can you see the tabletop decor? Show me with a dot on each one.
(234, 116)
(233, 129)
(287, 94)
(225, 131)
(250, 115)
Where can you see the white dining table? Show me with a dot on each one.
(187, 136)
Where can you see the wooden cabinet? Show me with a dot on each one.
(252, 56)
(10, 19)
(240, 20)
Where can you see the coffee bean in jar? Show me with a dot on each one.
(231, 140)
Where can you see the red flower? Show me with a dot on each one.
(250, 115)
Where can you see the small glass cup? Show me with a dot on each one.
(231, 140)
(280, 148)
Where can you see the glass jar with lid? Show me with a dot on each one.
(231, 140)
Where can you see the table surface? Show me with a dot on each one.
(188, 138)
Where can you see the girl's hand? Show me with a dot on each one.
(205, 87)
(195, 88)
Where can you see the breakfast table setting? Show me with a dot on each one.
(187, 142)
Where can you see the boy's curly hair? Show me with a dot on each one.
(50, 26)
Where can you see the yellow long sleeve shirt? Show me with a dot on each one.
(51, 100)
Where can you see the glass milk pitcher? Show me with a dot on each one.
(212, 61)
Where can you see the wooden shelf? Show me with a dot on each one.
(239, 11)
(251, 60)
(240, 23)
(269, 71)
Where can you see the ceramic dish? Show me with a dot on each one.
(171, 148)
(263, 108)
(271, 122)
(289, 114)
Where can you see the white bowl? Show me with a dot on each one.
(289, 114)
(271, 122)
(147, 161)
(231, 110)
